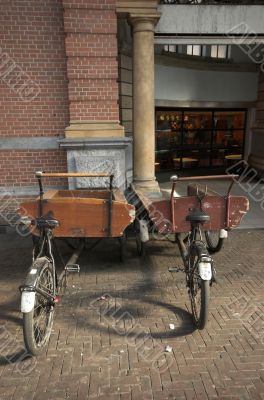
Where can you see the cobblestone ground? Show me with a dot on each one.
(112, 347)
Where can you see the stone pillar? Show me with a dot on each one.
(143, 102)
(256, 157)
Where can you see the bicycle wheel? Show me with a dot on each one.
(122, 250)
(199, 288)
(141, 246)
(214, 241)
(38, 322)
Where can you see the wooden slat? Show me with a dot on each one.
(71, 174)
(98, 194)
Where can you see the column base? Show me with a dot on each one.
(149, 188)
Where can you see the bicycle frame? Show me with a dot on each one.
(46, 238)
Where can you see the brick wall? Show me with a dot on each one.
(33, 95)
(91, 48)
(19, 166)
(58, 63)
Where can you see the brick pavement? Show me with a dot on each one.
(113, 348)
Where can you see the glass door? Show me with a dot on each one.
(168, 139)
(197, 132)
(228, 136)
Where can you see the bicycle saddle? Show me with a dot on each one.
(45, 223)
(198, 216)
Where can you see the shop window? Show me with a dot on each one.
(214, 51)
(199, 138)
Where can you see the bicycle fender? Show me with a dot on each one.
(205, 270)
(27, 301)
(28, 292)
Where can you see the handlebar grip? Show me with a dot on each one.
(40, 174)
(176, 178)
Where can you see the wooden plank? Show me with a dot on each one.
(85, 194)
(214, 206)
(82, 217)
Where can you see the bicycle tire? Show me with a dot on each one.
(37, 323)
(122, 250)
(141, 246)
(213, 241)
(199, 289)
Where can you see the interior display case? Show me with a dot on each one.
(187, 138)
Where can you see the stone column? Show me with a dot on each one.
(143, 102)
(256, 158)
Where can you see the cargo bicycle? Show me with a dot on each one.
(200, 222)
(64, 214)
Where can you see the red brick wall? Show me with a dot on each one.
(72, 71)
(26, 162)
(91, 47)
(32, 35)
(32, 45)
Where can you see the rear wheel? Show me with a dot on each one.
(213, 240)
(37, 324)
(199, 290)
(122, 243)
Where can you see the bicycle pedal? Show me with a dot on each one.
(73, 268)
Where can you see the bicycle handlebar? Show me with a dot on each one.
(176, 178)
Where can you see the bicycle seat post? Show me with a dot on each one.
(41, 193)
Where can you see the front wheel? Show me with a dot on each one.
(199, 290)
(37, 323)
(141, 246)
